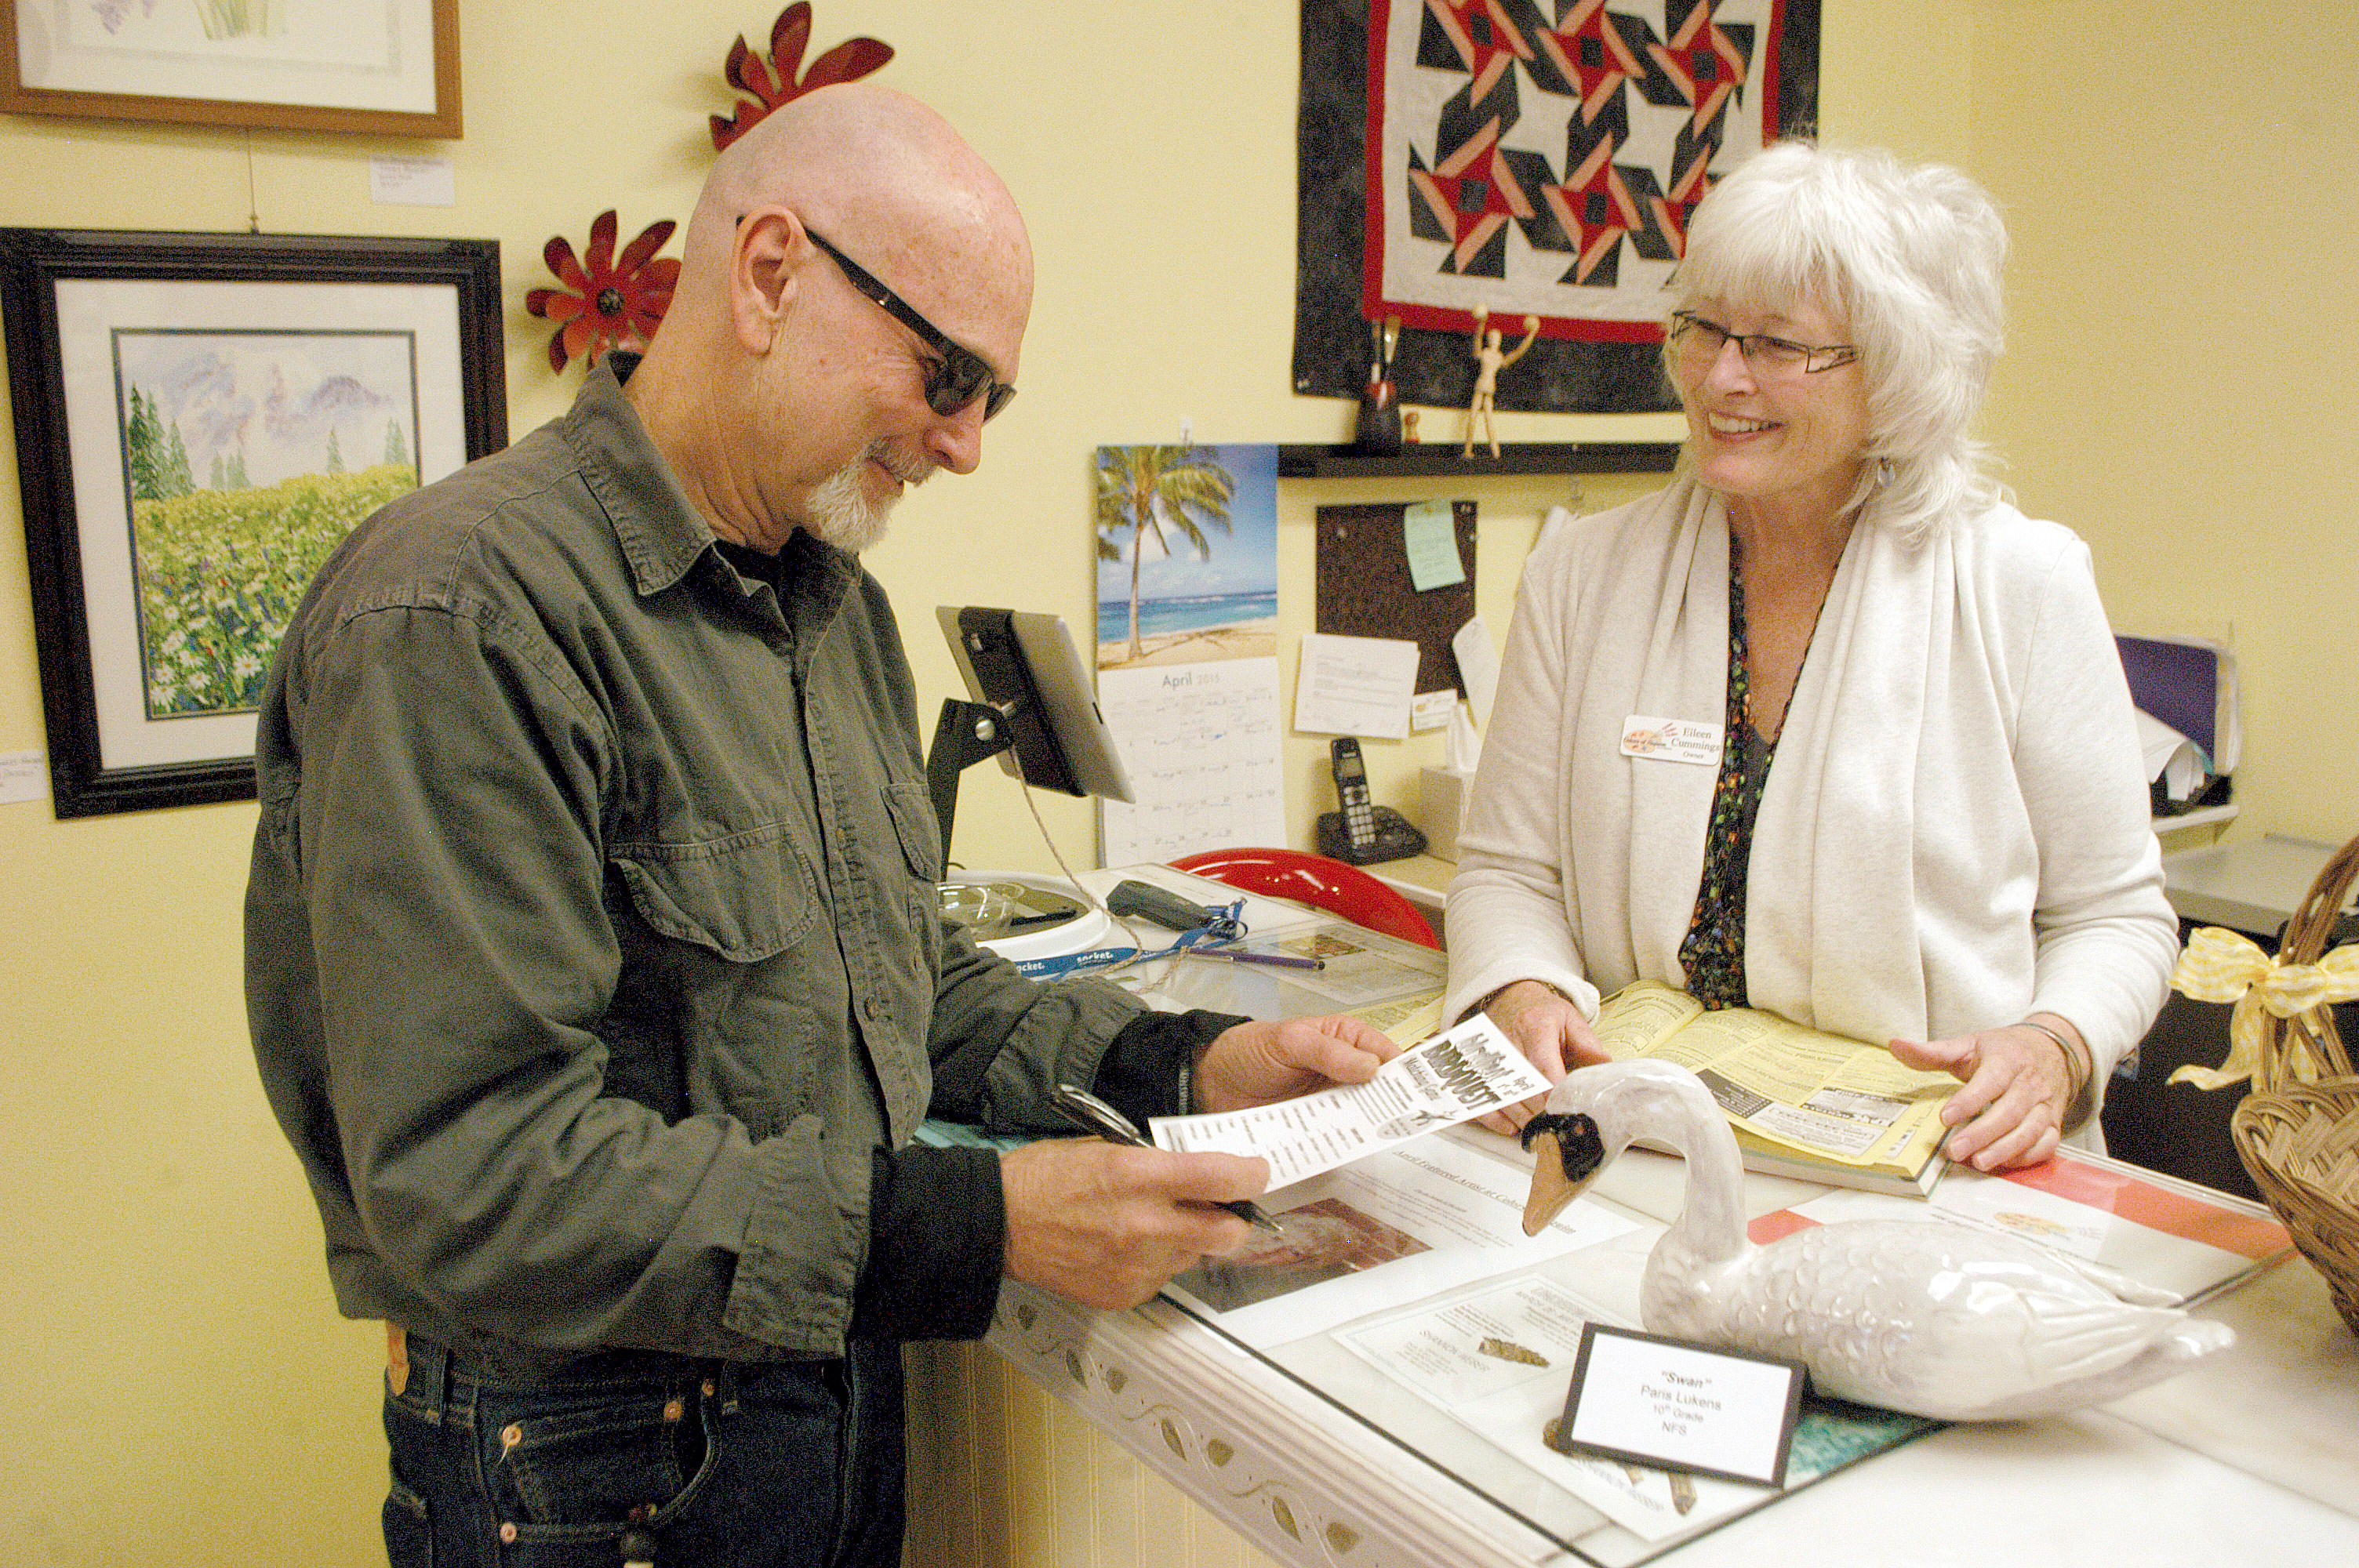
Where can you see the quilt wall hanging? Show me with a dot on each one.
(1529, 157)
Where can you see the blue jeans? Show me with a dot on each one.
(784, 1463)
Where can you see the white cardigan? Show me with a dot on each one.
(1955, 830)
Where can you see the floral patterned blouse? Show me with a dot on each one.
(1712, 956)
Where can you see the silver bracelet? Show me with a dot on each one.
(2079, 1068)
(1496, 992)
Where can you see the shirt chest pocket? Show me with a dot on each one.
(746, 898)
(919, 863)
(712, 990)
(921, 837)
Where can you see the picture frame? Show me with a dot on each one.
(200, 418)
(276, 65)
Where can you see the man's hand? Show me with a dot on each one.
(2017, 1086)
(1261, 1063)
(1105, 1225)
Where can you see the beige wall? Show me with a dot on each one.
(2181, 285)
(174, 1386)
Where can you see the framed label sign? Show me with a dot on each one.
(1666, 1403)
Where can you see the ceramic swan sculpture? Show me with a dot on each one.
(1933, 1319)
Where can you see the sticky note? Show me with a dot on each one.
(1430, 535)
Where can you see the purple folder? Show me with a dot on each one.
(2178, 683)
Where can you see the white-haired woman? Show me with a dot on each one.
(1905, 802)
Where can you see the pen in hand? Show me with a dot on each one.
(1086, 1108)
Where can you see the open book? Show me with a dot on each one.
(1804, 1103)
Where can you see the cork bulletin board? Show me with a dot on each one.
(1364, 589)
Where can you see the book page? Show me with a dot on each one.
(1822, 1095)
(1638, 1018)
(1404, 1020)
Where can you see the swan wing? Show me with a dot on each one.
(1935, 1320)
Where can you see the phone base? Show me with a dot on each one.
(1395, 839)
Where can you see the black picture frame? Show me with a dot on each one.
(436, 299)
(1430, 368)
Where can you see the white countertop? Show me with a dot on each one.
(2252, 886)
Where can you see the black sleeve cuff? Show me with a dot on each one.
(1144, 1073)
(937, 1243)
(937, 1217)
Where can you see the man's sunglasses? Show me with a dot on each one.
(961, 377)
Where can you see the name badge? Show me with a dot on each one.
(1671, 739)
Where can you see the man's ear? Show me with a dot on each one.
(764, 260)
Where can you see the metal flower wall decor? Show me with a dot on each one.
(608, 301)
(612, 301)
(775, 82)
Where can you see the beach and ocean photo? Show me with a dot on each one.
(1187, 549)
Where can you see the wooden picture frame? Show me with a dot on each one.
(200, 417)
(187, 64)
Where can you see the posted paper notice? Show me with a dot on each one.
(1355, 685)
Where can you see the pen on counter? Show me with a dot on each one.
(1238, 956)
(1082, 1107)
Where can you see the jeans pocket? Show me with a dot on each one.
(408, 1529)
(575, 1463)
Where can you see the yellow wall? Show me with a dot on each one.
(174, 1386)
(2182, 228)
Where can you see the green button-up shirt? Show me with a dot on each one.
(593, 955)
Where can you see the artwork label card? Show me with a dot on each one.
(1668, 1402)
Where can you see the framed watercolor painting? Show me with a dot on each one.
(201, 418)
(388, 68)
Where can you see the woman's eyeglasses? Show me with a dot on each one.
(959, 377)
(1696, 344)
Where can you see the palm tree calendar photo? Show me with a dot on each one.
(1187, 552)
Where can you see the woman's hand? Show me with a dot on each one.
(2019, 1084)
(1551, 1032)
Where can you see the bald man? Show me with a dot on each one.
(592, 958)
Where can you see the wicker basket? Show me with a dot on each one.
(2300, 1140)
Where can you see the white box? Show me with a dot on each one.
(1441, 809)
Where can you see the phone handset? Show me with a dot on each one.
(1362, 832)
(1352, 792)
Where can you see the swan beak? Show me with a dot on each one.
(1566, 1157)
(1551, 1189)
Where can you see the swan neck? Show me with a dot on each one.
(1711, 1211)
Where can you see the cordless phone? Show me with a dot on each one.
(1361, 832)
(1351, 793)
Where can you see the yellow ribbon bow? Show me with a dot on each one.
(2221, 966)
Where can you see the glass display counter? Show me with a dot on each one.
(1376, 1385)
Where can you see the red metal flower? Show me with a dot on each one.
(616, 301)
(775, 83)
